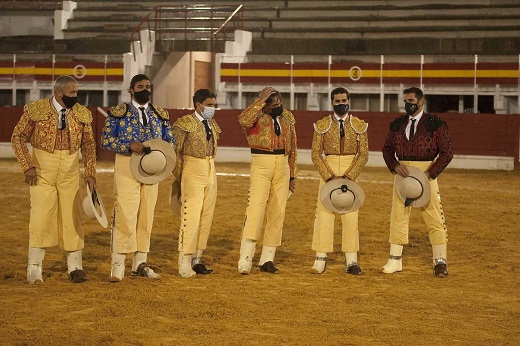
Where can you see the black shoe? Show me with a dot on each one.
(440, 270)
(145, 271)
(200, 268)
(78, 276)
(268, 267)
(354, 269)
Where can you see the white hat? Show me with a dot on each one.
(175, 194)
(156, 164)
(94, 208)
(342, 195)
(414, 189)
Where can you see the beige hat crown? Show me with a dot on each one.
(155, 164)
(414, 189)
(342, 195)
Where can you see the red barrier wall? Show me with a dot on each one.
(471, 134)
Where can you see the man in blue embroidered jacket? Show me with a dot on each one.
(125, 130)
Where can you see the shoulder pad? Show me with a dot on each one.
(82, 113)
(323, 125)
(395, 125)
(289, 116)
(119, 110)
(38, 110)
(163, 113)
(215, 126)
(359, 126)
(433, 122)
(186, 123)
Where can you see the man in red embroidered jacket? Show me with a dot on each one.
(421, 140)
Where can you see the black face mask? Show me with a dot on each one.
(277, 111)
(142, 96)
(341, 109)
(410, 108)
(68, 101)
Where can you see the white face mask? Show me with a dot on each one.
(208, 112)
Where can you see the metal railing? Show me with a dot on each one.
(189, 22)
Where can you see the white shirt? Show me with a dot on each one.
(58, 109)
(417, 119)
(200, 117)
(345, 119)
(138, 106)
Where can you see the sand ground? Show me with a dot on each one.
(478, 304)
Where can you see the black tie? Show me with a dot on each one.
(208, 129)
(276, 127)
(412, 129)
(341, 129)
(62, 118)
(143, 115)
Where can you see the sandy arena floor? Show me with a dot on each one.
(478, 304)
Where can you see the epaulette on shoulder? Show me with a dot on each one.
(323, 125)
(186, 123)
(82, 113)
(39, 109)
(161, 112)
(433, 122)
(119, 110)
(289, 116)
(395, 125)
(359, 126)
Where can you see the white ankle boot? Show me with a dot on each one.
(34, 268)
(320, 263)
(394, 263)
(117, 271)
(247, 251)
(185, 269)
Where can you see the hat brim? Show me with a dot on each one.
(99, 212)
(175, 202)
(146, 178)
(418, 174)
(333, 184)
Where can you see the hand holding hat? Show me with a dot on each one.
(342, 195)
(155, 163)
(414, 189)
(94, 208)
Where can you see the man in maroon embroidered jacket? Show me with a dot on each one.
(420, 140)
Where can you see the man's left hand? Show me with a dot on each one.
(292, 185)
(91, 182)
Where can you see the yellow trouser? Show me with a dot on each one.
(134, 207)
(432, 214)
(56, 202)
(199, 194)
(323, 237)
(268, 187)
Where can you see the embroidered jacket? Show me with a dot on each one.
(327, 141)
(259, 129)
(39, 126)
(190, 135)
(429, 143)
(122, 127)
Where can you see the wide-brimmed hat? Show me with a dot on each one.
(342, 195)
(94, 208)
(156, 164)
(175, 194)
(414, 189)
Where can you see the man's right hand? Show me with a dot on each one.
(265, 93)
(402, 170)
(30, 177)
(136, 147)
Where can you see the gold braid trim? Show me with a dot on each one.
(38, 110)
(163, 113)
(215, 126)
(323, 125)
(82, 113)
(119, 110)
(360, 126)
(187, 123)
